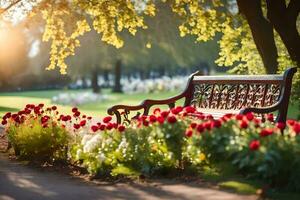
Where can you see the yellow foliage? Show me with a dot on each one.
(66, 21)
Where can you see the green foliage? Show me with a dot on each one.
(34, 142)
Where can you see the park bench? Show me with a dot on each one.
(218, 95)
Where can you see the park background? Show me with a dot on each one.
(100, 75)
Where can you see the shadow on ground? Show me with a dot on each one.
(22, 182)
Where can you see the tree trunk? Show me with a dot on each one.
(84, 82)
(162, 71)
(106, 78)
(262, 32)
(117, 85)
(284, 19)
(142, 74)
(95, 85)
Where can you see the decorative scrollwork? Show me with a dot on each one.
(234, 96)
(126, 119)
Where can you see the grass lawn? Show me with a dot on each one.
(13, 101)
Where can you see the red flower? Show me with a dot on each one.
(83, 116)
(244, 124)
(152, 118)
(27, 111)
(177, 110)
(207, 125)
(201, 116)
(76, 114)
(216, 124)
(7, 115)
(4, 122)
(145, 123)
(107, 119)
(256, 122)
(37, 110)
(290, 122)
(200, 128)
(174, 111)
(83, 123)
(156, 111)
(94, 128)
(254, 145)
(250, 116)
(121, 128)
(228, 115)
(190, 109)
(209, 117)
(239, 117)
(76, 126)
(165, 114)
(193, 125)
(65, 118)
(270, 117)
(89, 118)
(41, 105)
(54, 107)
(296, 128)
(74, 110)
(115, 125)
(109, 126)
(281, 125)
(172, 119)
(21, 112)
(102, 127)
(188, 133)
(14, 116)
(266, 132)
(45, 119)
(160, 119)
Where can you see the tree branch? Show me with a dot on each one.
(293, 9)
(9, 6)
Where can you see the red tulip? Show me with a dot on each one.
(121, 128)
(254, 145)
(172, 119)
(94, 128)
(189, 133)
(107, 119)
(244, 124)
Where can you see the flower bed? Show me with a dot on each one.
(75, 99)
(166, 140)
(154, 85)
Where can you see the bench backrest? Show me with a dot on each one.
(247, 93)
(236, 92)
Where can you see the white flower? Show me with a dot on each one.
(85, 139)
(78, 154)
(78, 98)
(92, 144)
(101, 157)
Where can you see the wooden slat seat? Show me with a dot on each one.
(218, 95)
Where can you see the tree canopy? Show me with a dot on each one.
(253, 32)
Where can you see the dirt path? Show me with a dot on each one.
(22, 182)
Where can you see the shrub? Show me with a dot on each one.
(36, 135)
(170, 140)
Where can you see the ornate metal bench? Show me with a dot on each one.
(218, 95)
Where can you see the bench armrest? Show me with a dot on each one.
(145, 105)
